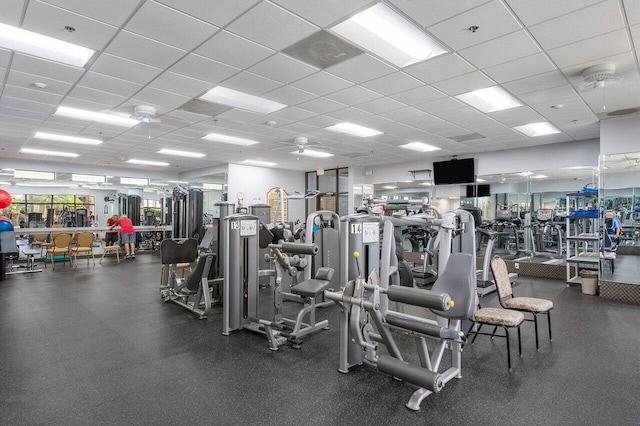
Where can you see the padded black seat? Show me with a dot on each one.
(315, 286)
(192, 285)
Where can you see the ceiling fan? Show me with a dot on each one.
(145, 113)
(299, 142)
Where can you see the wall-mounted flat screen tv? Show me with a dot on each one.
(482, 191)
(454, 172)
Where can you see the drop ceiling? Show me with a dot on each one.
(166, 53)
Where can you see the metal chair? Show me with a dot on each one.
(531, 305)
(84, 244)
(497, 317)
(61, 245)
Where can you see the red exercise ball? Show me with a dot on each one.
(5, 199)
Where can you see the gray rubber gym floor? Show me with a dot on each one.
(95, 345)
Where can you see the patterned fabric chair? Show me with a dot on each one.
(61, 245)
(84, 244)
(531, 305)
(497, 317)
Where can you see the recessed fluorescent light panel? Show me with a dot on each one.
(31, 43)
(217, 186)
(386, 33)
(259, 163)
(312, 153)
(81, 114)
(87, 178)
(181, 153)
(236, 99)
(217, 137)
(31, 174)
(389, 187)
(179, 181)
(159, 184)
(353, 130)
(134, 181)
(420, 147)
(539, 176)
(46, 185)
(426, 183)
(491, 99)
(525, 173)
(537, 129)
(147, 162)
(65, 138)
(52, 153)
(481, 180)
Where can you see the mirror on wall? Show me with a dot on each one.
(619, 196)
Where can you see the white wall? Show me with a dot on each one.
(620, 135)
(254, 182)
(541, 157)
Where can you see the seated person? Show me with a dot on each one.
(614, 227)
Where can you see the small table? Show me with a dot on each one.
(31, 258)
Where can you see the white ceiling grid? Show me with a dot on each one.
(165, 53)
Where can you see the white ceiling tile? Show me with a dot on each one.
(362, 68)
(440, 68)
(493, 19)
(322, 105)
(282, 68)
(141, 49)
(319, 121)
(418, 95)
(292, 114)
(592, 49)
(615, 97)
(393, 83)
(381, 105)
(125, 69)
(635, 35)
(429, 12)
(586, 23)
(632, 8)
(163, 101)
(217, 12)
(321, 83)
(239, 116)
(86, 94)
(11, 12)
(517, 116)
(354, 95)
(439, 105)
(536, 82)
(204, 69)
(520, 68)
(425, 122)
(114, 12)
(464, 83)
(21, 79)
(112, 85)
(550, 96)
(348, 114)
(25, 105)
(289, 95)
(251, 83)
(176, 83)
(32, 93)
(44, 68)
(500, 50)
(325, 12)
(226, 47)
(402, 114)
(533, 12)
(50, 21)
(264, 24)
(161, 23)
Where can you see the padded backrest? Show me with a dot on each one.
(8, 243)
(202, 270)
(324, 273)
(62, 240)
(172, 251)
(458, 280)
(607, 243)
(501, 277)
(85, 239)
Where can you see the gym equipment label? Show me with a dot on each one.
(248, 228)
(356, 228)
(370, 232)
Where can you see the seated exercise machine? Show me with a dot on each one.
(241, 289)
(367, 322)
(194, 293)
(10, 252)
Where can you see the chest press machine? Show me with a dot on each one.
(367, 322)
(241, 289)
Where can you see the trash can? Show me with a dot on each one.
(589, 280)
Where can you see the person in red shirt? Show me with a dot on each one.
(128, 235)
(110, 238)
